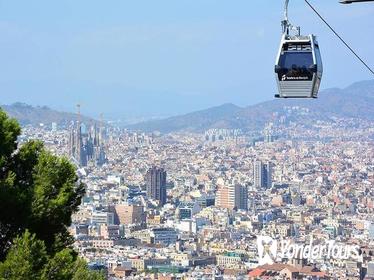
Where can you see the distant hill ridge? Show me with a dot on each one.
(30, 115)
(355, 101)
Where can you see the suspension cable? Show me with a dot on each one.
(341, 39)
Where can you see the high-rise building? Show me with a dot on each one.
(241, 197)
(232, 197)
(262, 174)
(223, 197)
(268, 133)
(268, 136)
(156, 184)
(54, 127)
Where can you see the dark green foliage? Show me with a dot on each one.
(38, 194)
(64, 266)
(82, 273)
(9, 131)
(60, 267)
(56, 196)
(28, 259)
(38, 191)
(25, 259)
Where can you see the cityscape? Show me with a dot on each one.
(187, 140)
(192, 205)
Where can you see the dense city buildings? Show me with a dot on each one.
(201, 215)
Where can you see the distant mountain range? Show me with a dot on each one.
(27, 114)
(355, 101)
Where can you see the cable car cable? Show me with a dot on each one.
(341, 39)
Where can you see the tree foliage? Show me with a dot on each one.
(38, 191)
(25, 259)
(28, 259)
(38, 194)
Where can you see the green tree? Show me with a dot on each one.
(82, 273)
(38, 191)
(38, 194)
(25, 259)
(64, 266)
(60, 267)
(28, 259)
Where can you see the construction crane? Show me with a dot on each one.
(79, 112)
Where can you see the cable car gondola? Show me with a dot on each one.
(298, 65)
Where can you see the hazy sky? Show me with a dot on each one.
(164, 57)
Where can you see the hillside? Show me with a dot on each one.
(29, 115)
(355, 101)
(193, 121)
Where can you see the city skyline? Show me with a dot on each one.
(161, 140)
(226, 190)
(181, 57)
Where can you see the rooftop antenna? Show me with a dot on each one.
(101, 127)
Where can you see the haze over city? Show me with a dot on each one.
(162, 58)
